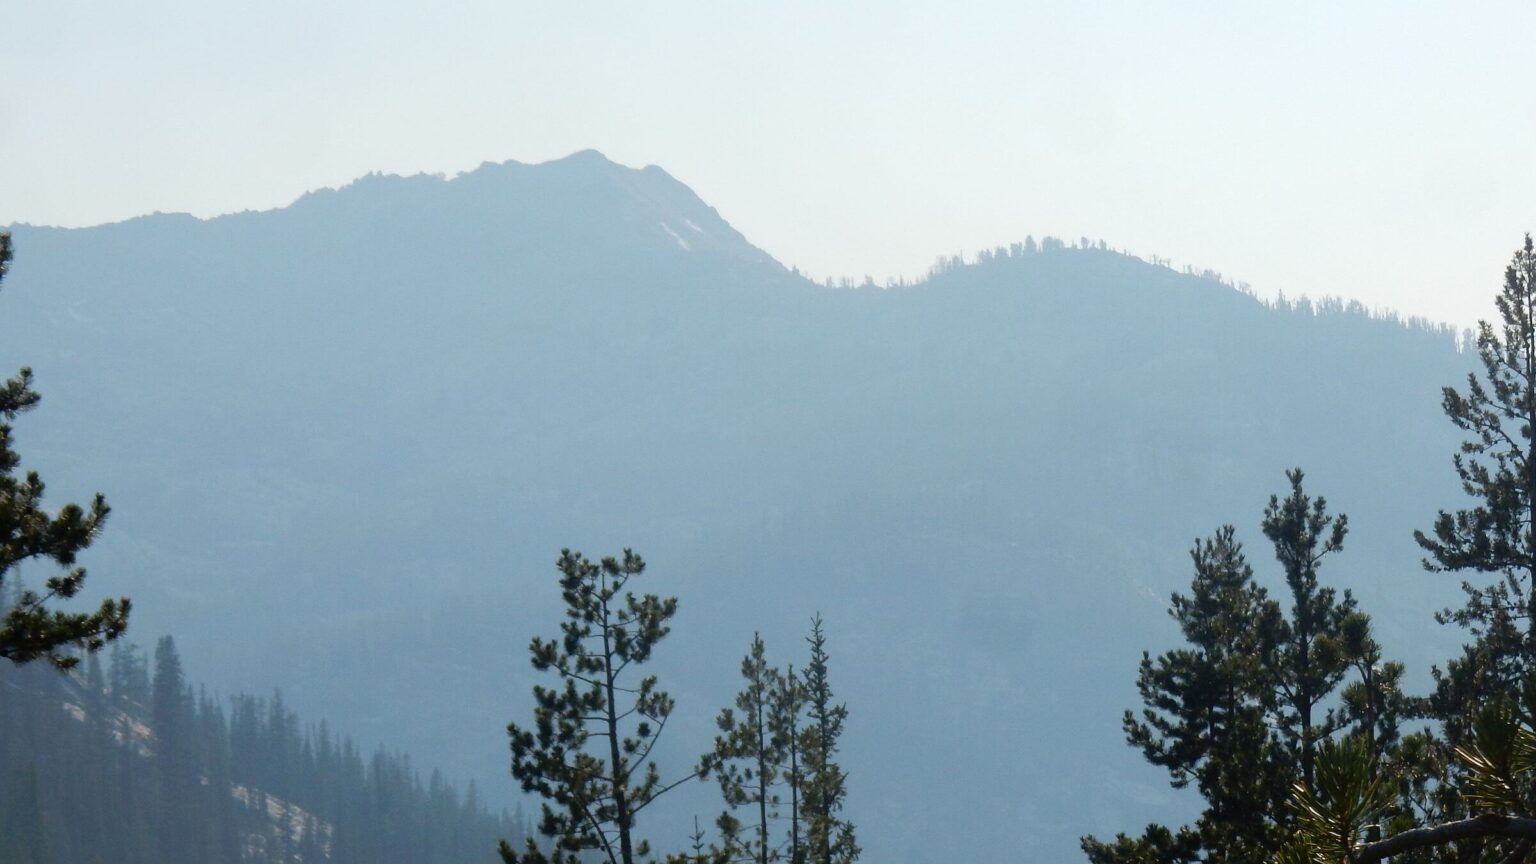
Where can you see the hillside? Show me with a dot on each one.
(121, 763)
(345, 439)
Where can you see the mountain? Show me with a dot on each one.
(345, 440)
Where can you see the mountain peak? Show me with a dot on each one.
(582, 194)
(588, 155)
(583, 200)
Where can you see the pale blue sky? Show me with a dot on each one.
(1381, 151)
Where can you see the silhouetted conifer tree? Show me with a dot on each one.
(1497, 534)
(588, 753)
(1308, 664)
(1240, 712)
(788, 704)
(748, 758)
(830, 838)
(31, 629)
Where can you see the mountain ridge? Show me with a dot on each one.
(658, 193)
(366, 437)
(680, 216)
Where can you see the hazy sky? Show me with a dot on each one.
(1380, 151)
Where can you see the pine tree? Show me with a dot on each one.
(829, 837)
(129, 678)
(1308, 663)
(30, 629)
(1497, 535)
(172, 718)
(748, 757)
(1241, 712)
(588, 751)
(788, 705)
(1374, 705)
(1206, 712)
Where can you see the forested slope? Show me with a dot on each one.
(126, 762)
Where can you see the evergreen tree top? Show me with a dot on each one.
(31, 629)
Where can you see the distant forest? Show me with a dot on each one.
(126, 762)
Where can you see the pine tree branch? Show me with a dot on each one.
(1487, 825)
(602, 836)
(655, 736)
(663, 790)
(565, 673)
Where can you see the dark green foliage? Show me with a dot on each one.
(1241, 711)
(1156, 845)
(1495, 535)
(588, 752)
(1307, 664)
(1333, 808)
(1496, 791)
(829, 837)
(750, 757)
(787, 703)
(1373, 704)
(700, 851)
(779, 742)
(32, 630)
(1207, 715)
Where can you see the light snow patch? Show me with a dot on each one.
(694, 225)
(680, 241)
